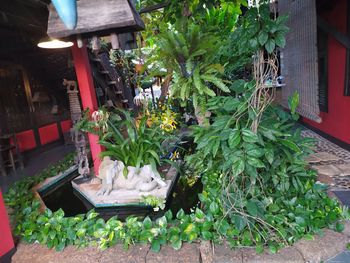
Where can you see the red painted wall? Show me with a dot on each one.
(337, 121)
(48, 134)
(6, 241)
(66, 125)
(26, 140)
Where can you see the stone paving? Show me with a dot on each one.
(330, 161)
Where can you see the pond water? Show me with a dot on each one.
(63, 196)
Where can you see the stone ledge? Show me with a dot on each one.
(189, 253)
(36, 253)
(320, 249)
(135, 254)
(313, 251)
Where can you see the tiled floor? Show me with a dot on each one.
(340, 258)
(35, 164)
(337, 157)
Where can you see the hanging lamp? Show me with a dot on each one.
(51, 43)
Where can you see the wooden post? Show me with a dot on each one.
(87, 94)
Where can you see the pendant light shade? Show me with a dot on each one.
(54, 43)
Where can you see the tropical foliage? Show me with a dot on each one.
(257, 188)
(125, 138)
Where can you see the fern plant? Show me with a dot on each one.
(188, 54)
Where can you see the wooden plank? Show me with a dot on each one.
(103, 16)
(152, 8)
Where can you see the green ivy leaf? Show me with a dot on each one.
(253, 43)
(270, 46)
(199, 213)
(169, 215)
(214, 208)
(262, 37)
(207, 235)
(240, 222)
(280, 40)
(273, 249)
(259, 249)
(238, 167)
(249, 136)
(290, 144)
(147, 223)
(155, 245)
(180, 214)
(234, 139)
(255, 162)
(91, 214)
(269, 154)
(252, 208)
(177, 244)
(339, 227)
(257, 153)
(60, 246)
(309, 237)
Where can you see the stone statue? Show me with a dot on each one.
(143, 179)
(78, 137)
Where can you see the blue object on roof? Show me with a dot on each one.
(67, 11)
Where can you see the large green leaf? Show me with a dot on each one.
(280, 40)
(290, 144)
(238, 167)
(234, 138)
(249, 136)
(270, 46)
(262, 37)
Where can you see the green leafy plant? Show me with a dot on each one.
(156, 202)
(258, 185)
(127, 139)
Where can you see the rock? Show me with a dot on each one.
(224, 254)
(206, 251)
(189, 253)
(326, 157)
(328, 169)
(312, 159)
(344, 168)
(285, 255)
(135, 254)
(322, 247)
(325, 179)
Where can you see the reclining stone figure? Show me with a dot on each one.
(143, 179)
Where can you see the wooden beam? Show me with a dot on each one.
(152, 8)
(98, 17)
(28, 90)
